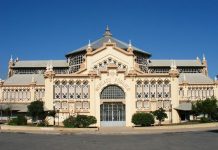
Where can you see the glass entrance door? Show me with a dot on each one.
(113, 114)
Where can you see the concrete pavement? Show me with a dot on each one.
(111, 130)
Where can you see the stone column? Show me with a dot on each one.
(49, 79)
(32, 91)
(130, 101)
(174, 80)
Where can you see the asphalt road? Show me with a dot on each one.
(166, 141)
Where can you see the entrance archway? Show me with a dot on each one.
(112, 110)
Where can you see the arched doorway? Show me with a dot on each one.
(112, 110)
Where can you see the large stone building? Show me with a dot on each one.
(110, 80)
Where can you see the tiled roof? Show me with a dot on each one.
(99, 43)
(40, 63)
(195, 78)
(25, 79)
(182, 63)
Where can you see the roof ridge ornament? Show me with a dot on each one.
(107, 32)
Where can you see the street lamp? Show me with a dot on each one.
(54, 113)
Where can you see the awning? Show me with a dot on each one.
(18, 107)
(15, 107)
(184, 107)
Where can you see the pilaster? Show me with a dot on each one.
(49, 90)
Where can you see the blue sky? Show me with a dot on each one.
(48, 29)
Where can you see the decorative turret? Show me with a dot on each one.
(17, 59)
(89, 48)
(204, 63)
(10, 65)
(49, 73)
(130, 49)
(198, 59)
(1, 82)
(107, 32)
(173, 69)
(216, 80)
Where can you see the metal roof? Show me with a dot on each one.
(195, 78)
(184, 107)
(107, 36)
(40, 63)
(182, 63)
(25, 79)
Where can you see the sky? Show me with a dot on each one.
(168, 29)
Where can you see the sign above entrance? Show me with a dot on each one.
(117, 81)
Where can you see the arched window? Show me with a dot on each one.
(112, 92)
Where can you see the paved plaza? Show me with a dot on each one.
(202, 140)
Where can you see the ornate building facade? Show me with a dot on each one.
(110, 80)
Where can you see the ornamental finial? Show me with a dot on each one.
(107, 31)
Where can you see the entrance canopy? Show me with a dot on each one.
(184, 107)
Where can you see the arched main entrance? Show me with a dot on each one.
(112, 109)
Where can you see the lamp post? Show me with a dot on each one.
(58, 116)
(171, 115)
(54, 113)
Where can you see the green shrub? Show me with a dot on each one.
(204, 120)
(84, 121)
(143, 119)
(81, 121)
(20, 120)
(69, 122)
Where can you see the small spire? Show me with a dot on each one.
(107, 31)
(47, 66)
(17, 59)
(89, 45)
(197, 58)
(11, 59)
(215, 78)
(204, 58)
(130, 43)
(109, 41)
(51, 66)
(172, 65)
(175, 64)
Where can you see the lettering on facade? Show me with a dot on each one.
(113, 81)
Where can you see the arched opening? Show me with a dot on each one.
(112, 112)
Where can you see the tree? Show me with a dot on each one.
(209, 107)
(143, 119)
(160, 115)
(196, 108)
(206, 107)
(36, 110)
